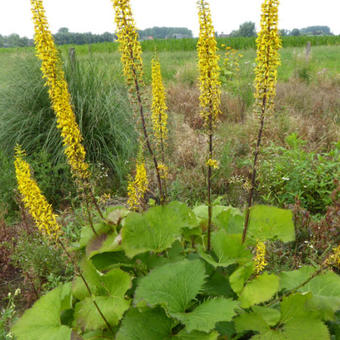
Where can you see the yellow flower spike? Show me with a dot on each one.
(33, 199)
(129, 46)
(164, 171)
(159, 116)
(213, 163)
(209, 70)
(53, 74)
(138, 186)
(260, 257)
(268, 59)
(334, 258)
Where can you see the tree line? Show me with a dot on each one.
(247, 29)
(64, 36)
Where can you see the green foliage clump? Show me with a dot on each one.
(151, 277)
(290, 173)
(101, 107)
(45, 265)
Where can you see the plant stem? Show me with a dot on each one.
(146, 136)
(86, 285)
(89, 214)
(95, 203)
(209, 184)
(253, 176)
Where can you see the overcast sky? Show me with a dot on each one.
(97, 15)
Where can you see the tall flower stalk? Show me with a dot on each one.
(34, 201)
(138, 186)
(210, 89)
(53, 74)
(268, 59)
(51, 67)
(159, 116)
(43, 214)
(131, 58)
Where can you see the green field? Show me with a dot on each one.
(172, 45)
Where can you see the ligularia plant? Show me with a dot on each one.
(131, 58)
(210, 88)
(173, 272)
(268, 59)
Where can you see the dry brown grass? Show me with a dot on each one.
(183, 99)
(313, 111)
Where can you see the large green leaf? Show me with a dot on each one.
(296, 306)
(109, 260)
(88, 317)
(306, 329)
(326, 293)
(292, 279)
(270, 223)
(218, 285)
(42, 321)
(157, 229)
(324, 287)
(183, 335)
(228, 249)
(239, 277)
(251, 322)
(259, 290)
(297, 321)
(115, 283)
(173, 285)
(150, 324)
(260, 320)
(300, 320)
(201, 212)
(206, 315)
(231, 220)
(103, 243)
(87, 234)
(116, 214)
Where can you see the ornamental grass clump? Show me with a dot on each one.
(53, 74)
(267, 62)
(210, 89)
(131, 58)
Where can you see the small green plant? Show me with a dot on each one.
(42, 265)
(7, 316)
(290, 173)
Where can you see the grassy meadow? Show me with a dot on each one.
(299, 165)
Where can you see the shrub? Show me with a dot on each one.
(290, 173)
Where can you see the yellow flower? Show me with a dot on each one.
(53, 74)
(138, 186)
(210, 86)
(129, 46)
(33, 199)
(163, 170)
(213, 163)
(268, 58)
(260, 257)
(334, 258)
(159, 116)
